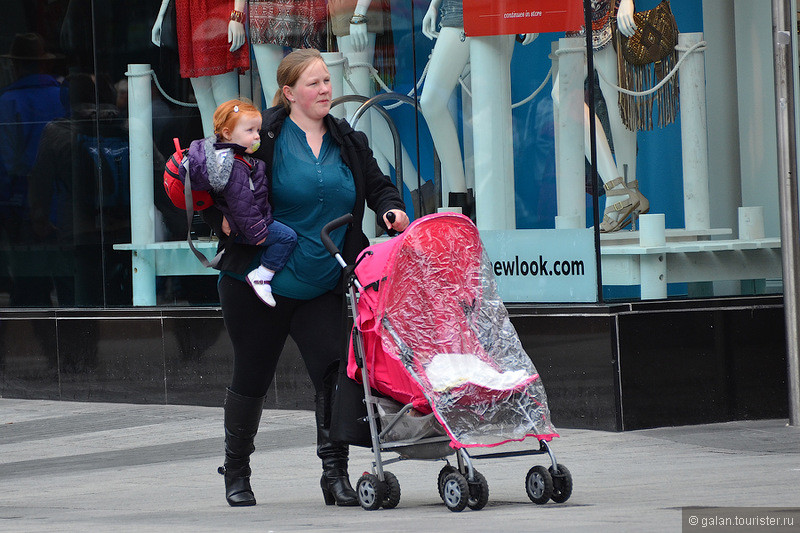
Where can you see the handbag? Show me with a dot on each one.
(644, 59)
(349, 422)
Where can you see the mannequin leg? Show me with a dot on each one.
(622, 201)
(359, 82)
(360, 79)
(205, 102)
(268, 57)
(450, 56)
(372, 124)
(606, 167)
(210, 91)
(225, 87)
(624, 139)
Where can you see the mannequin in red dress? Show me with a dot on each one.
(211, 36)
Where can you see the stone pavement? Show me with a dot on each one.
(68, 466)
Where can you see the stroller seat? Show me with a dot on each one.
(448, 371)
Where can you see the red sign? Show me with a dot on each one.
(509, 17)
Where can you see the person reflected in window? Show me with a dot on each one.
(79, 195)
(26, 106)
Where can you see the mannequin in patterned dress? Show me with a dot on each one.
(279, 24)
(210, 46)
(624, 195)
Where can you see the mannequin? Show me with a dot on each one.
(623, 199)
(449, 57)
(278, 24)
(356, 41)
(215, 83)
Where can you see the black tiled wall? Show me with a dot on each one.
(615, 367)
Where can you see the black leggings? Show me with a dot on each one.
(258, 333)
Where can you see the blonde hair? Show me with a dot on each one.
(290, 69)
(228, 113)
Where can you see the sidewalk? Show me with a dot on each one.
(68, 467)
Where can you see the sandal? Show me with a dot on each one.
(624, 208)
(644, 203)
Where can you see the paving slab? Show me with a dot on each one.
(71, 466)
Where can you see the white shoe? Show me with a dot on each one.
(261, 287)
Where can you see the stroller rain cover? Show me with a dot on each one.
(436, 334)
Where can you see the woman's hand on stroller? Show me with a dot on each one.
(396, 220)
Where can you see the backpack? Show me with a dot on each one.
(175, 186)
(185, 197)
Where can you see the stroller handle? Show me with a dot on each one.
(329, 227)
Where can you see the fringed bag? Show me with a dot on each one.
(644, 60)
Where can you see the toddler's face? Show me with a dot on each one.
(245, 133)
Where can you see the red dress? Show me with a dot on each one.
(203, 46)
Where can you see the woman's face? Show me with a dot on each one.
(311, 94)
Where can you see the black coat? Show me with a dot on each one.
(371, 185)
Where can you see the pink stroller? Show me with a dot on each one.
(442, 366)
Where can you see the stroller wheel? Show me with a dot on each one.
(371, 492)
(478, 492)
(539, 485)
(446, 469)
(392, 497)
(562, 484)
(456, 491)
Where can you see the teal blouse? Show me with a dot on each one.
(307, 193)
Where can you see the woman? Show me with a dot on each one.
(319, 169)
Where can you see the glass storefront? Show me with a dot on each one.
(684, 188)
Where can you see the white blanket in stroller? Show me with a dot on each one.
(448, 371)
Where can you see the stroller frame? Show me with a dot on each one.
(460, 486)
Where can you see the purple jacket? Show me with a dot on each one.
(241, 193)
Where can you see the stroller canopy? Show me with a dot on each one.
(437, 335)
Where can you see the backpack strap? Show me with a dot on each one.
(250, 167)
(187, 191)
(244, 160)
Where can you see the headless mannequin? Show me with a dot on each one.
(449, 58)
(359, 48)
(210, 91)
(618, 191)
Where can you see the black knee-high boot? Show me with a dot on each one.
(335, 483)
(242, 416)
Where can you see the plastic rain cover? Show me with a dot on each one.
(437, 335)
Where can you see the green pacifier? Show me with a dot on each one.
(255, 145)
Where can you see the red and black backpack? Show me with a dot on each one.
(176, 188)
(185, 197)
